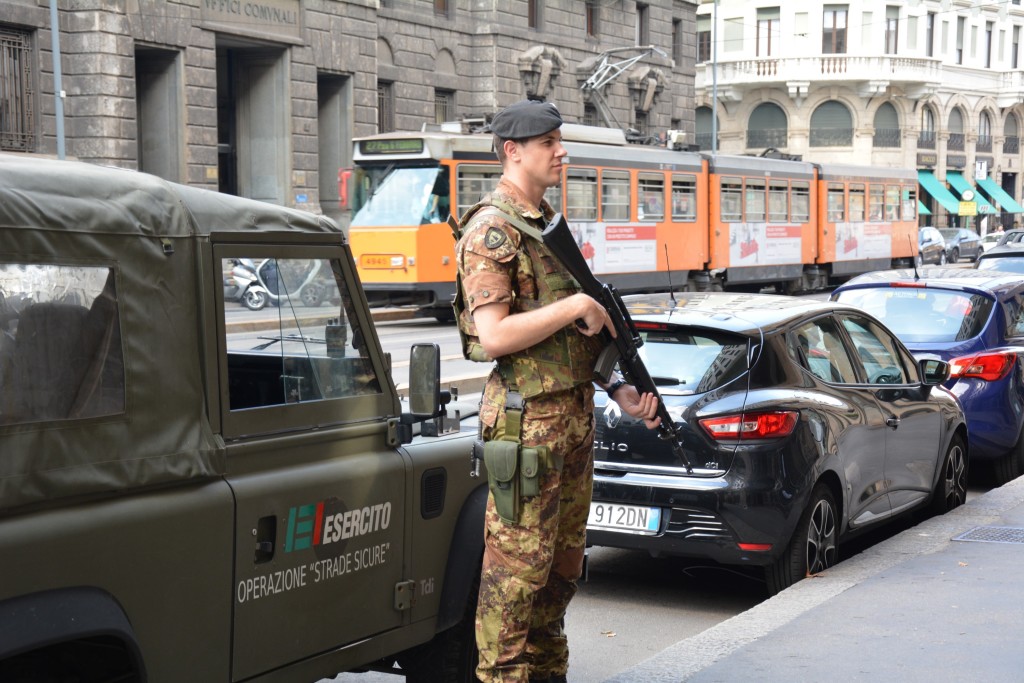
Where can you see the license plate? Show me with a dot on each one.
(629, 518)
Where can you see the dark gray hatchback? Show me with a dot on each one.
(806, 421)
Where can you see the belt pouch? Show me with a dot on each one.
(501, 458)
(529, 471)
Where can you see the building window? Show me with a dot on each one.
(590, 115)
(984, 143)
(533, 13)
(593, 18)
(444, 105)
(17, 92)
(833, 30)
(961, 23)
(705, 128)
(926, 140)
(887, 126)
(640, 122)
(767, 31)
(643, 32)
(1015, 48)
(989, 31)
(385, 107)
(955, 125)
(831, 126)
(1011, 139)
(892, 26)
(767, 127)
(442, 7)
(703, 39)
(929, 35)
(677, 41)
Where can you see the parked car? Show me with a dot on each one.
(974, 319)
(1006, 258)
(1011, 236)
(990, 240)
(961, 242)
(805, 421)
(931, 247)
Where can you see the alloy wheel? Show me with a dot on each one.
(821, 537)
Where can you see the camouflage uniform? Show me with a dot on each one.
(530, 568)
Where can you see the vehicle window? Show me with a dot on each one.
(876, 201)
(691, 360)
(857, 203)
(472, 183)
(615, 204)
(877, 352)
(581, 194)
(836, 203)
(892, 202)
(818, 347)
(921, 314)
(60, 343)
(403, 196)
(755, 200)
(1002, 264)
(1014, 317)
(302, 345)
(801, 201)
(684, 198)
(778, 201)
(732, 200)
(651, 189)
(909, 203)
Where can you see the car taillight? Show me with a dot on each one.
(751, 425)
(987, 366)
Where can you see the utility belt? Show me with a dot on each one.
(514, 471)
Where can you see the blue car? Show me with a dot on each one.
(973, 319)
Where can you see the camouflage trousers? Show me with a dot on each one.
(530, 569)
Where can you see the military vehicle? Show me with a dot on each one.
(192, 491)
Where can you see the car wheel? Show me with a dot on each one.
(951, 488)
(813, 547)
(954, 256)
(942, 258)
(1011, 465)
(451, 657)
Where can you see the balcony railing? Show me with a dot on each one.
(887, 137)
(984, 143)
(704, 140)
(926, 139)
(767, 137)
(831, 137)
(1011, 145)
(955, 142)
(756, 71)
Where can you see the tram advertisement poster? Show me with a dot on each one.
(617, 248)
(863, 240)
(762, 244)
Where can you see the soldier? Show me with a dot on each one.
(516, 304)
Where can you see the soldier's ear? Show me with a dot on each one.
(511, 148)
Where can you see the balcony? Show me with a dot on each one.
(768, 137)
(984, 143)
(926, 139)
(955, 142)
(887, 137)
(831, 137)
(1011, 145)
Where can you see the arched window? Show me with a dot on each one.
(984, 133)
(767, 127)
(887, 126)
(703, 127)
(956, 130)
(831, 125)
(926, 139)
(1011, 135)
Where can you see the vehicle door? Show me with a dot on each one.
(320, 496)
(857, 431)
(912, 425)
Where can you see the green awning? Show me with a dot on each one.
(961, 185)
(1000, 196)
(922, 209)
(936, 189)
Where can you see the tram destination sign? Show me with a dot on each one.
(392, 146)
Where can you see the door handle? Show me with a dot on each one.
(893, 422)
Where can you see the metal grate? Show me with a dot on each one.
(17, 97)
(993, 534)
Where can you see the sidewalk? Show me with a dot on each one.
(927, 605)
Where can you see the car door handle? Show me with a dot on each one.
(893, 422)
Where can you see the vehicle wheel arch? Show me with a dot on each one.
(460, 575)
(52, 626)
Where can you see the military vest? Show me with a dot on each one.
(564, 360)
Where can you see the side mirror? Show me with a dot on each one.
(424, 380)
(933, 371)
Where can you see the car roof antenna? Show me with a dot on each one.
(917, 276)
(668, 272)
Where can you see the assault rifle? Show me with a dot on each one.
(624, 348)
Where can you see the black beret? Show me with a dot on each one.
(526, 119)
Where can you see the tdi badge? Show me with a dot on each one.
(494, 238)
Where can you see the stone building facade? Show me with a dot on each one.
(261, 98)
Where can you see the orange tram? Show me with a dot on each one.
(646, 218)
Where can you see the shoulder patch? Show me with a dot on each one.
(494, 238)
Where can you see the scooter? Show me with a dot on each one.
(311, 291)
(243, 284)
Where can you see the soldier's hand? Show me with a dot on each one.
(592, 317)
(641, 406)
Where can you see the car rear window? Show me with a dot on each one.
(924, 314)
(693, 360)
(1004, 264)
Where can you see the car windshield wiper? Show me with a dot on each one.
(287, 338)
(667, 381)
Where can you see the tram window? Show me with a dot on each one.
(554, 197)
(857, 205)
(651, 193)
(836, 203)
(892, 202)
(801, 201)
(732, 200)
(684, 198)
(875, 202)
(778, 201)
(909, 203)
(474, 181)
(581, 194)
(755, 200)
(615, 205)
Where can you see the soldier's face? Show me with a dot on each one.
(541, 158)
